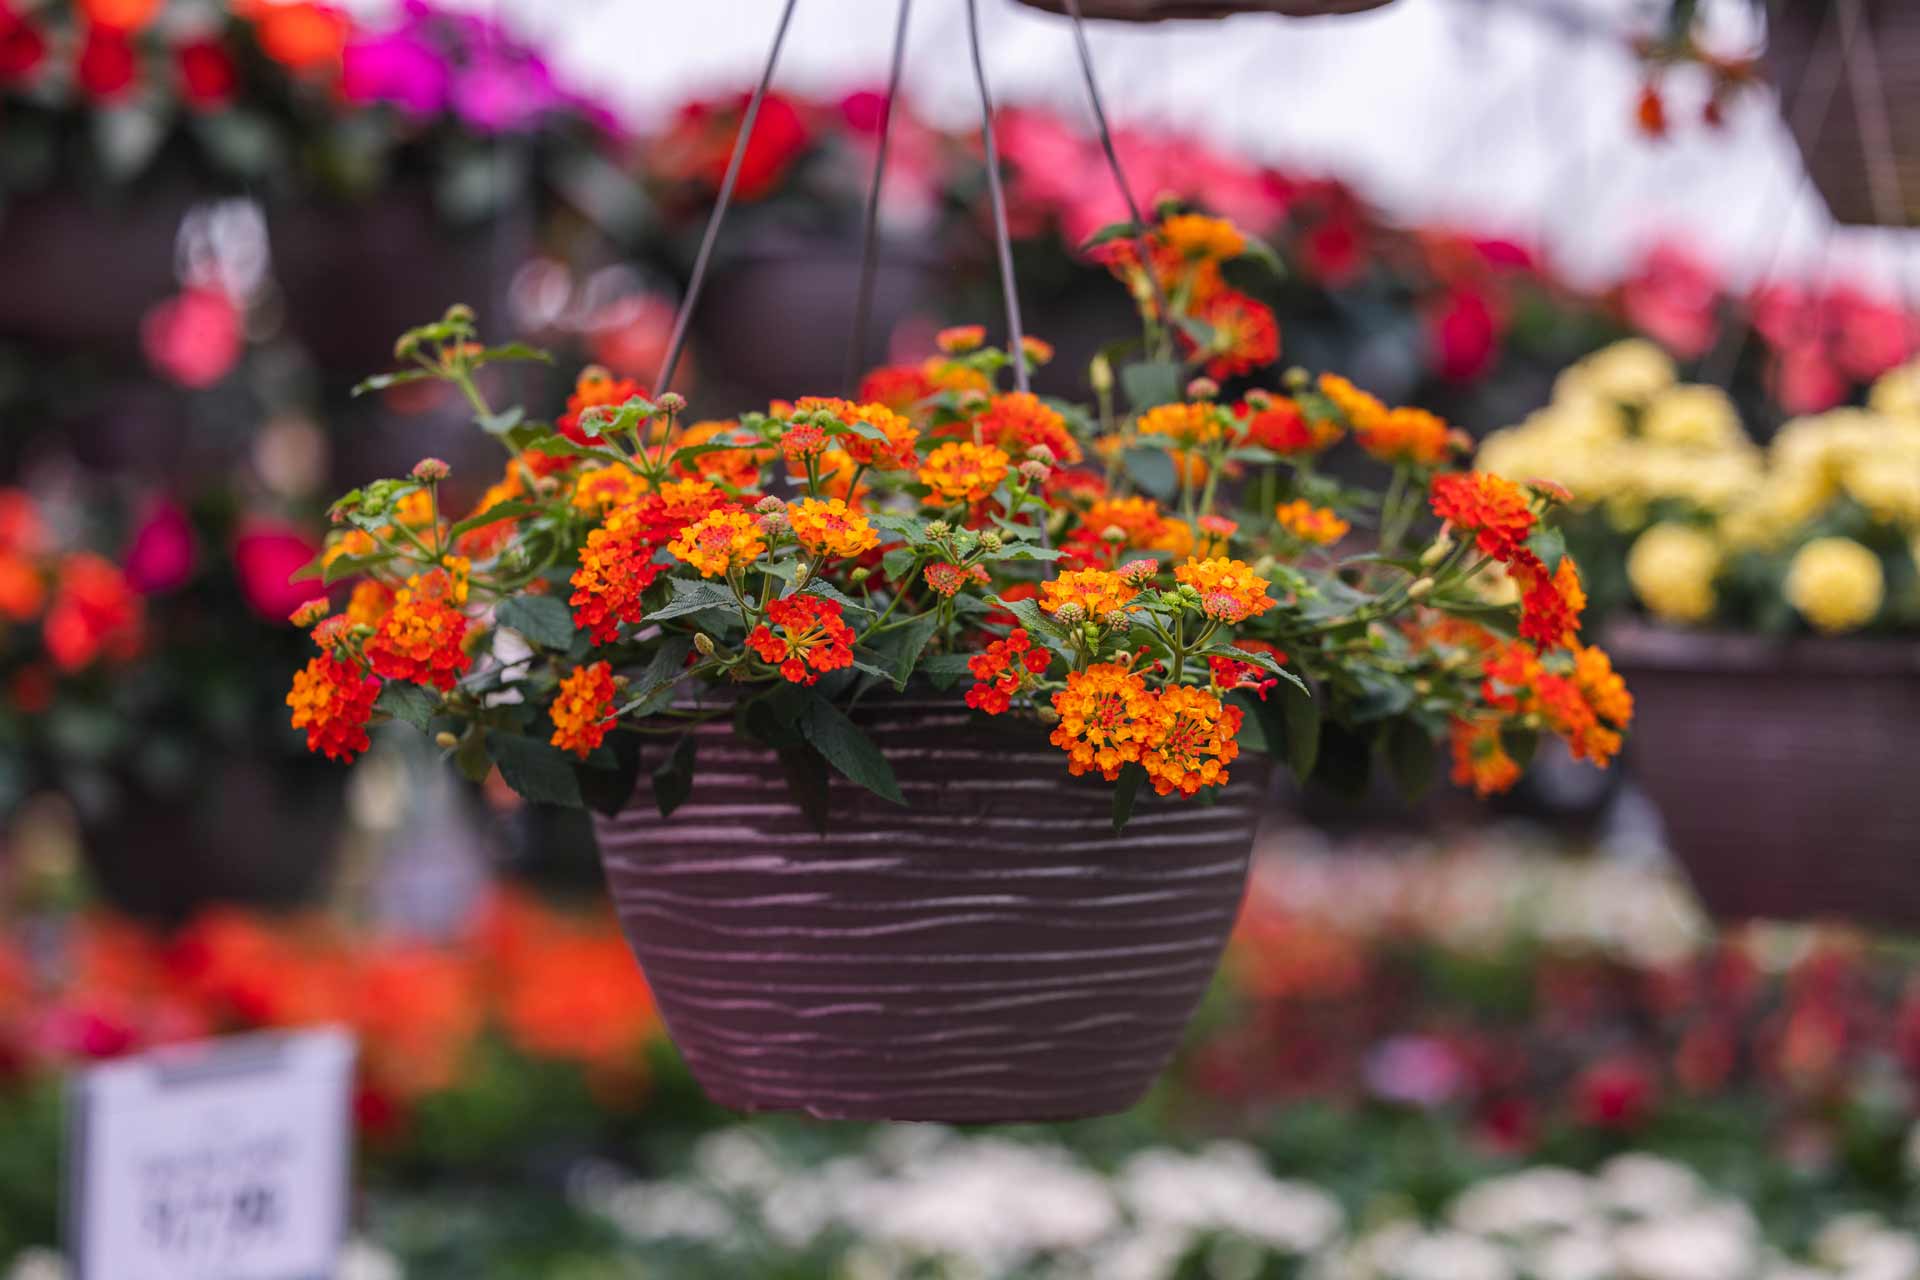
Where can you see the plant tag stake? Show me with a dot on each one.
(221, 1160)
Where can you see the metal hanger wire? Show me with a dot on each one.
(1002, 240)
(870, 227)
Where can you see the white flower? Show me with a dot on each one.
(363, 1261)
(1582, 1255)
(1226, 1188)
(737, 1161)
(1861, 1247)
(1526, 1203)
(38, 1264)
(1452, 1255)
(1714, 1243)
(1648, 1186)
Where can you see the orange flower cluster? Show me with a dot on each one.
(825, 526)
(1230, 591)
(1193, 743)
(1317, 526)
(602, 488)
(421, 638)
(1363, 411)
(1578, 696)
(960, 471)
(899, 387)
(616, 568)
(721, 541)
(1188, 426)
(1496, 511)
(1280, 426)
(738, 469)
(1409, 436)
(896, 454)
(1244, 334)
(1111, 526)
(1018, 422)
(583, 709)
(812, 638)
(1095, 592)
(332, 699)
(1003, 670)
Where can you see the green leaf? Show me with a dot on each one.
(607, 779)
(1153, 383)
(515, 351)
(538, 771)
(806, 774)
(1550, 545)
(827, 591)
(669, 660)
(1025, 551)
(498, 424)
(409, 702)
(1263, 253)
(1257, 658)
(1038, 625)
(901, 648)
(945, 670)
(898, 563)
(499, 511)
(1128, 230)
(471, 757)
(1152, 470)
(1410, 754)
(691, 595)
(1519, 743)
(848, 749)
(398, 378)
(353, 566)
(673, 778)
(543, 620)
(1300, 712)
(1126, 789)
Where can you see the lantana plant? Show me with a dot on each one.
(1156, 588)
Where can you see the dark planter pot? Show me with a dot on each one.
(358, 275)
(255, 833)
(1807, 58)
(774, 320)
(81, 270)
(1782, 770)
(991, 953)
(1162, 10)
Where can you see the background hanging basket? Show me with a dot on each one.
(1805, 55)
(1162, 10)
(994, 952)
(1784, 771)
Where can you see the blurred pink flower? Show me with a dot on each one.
(1463, 334)
(160, 556)
(1671, 297)
(1420, 1071)
(194, 338)
(265, 554)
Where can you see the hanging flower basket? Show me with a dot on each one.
(1842, 145)
(1162, 10)
(1783, 770)
(993, 951)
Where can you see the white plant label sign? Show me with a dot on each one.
(222, 1160)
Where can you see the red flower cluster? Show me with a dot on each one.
(1003, 670)
(811, 641)
(95, 614)
(332, 699)
(422, 637)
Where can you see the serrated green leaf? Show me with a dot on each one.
(673, 778)
(1127, 230)
(1126, 789)
(944, 670)
(848, 749)
(398, 378)
(897, 563)
(668, 661)
(608, 777)
(691, 595)
(408, 702)
(901, 648)
(538, 771)
(1258, 658)
(543, 620)
(1038, 625)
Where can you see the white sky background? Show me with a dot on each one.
(1490, 114)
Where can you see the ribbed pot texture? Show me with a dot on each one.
(1784, 771)
(993, 952)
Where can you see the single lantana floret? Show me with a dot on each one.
(582, 709)
(826, 526)
(720, 542)
(810, 640)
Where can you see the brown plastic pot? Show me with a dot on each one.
(1806, 56)
(1783, 770)
(993, 952)
(1162, 10)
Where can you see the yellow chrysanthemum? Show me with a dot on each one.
(1671, 568)
(1836, 584)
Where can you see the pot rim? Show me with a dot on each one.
(1706, 651)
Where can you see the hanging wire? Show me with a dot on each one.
(1870, 109)
(1143, 232)
(1003, 241)
(724, 197)
(870, 227)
